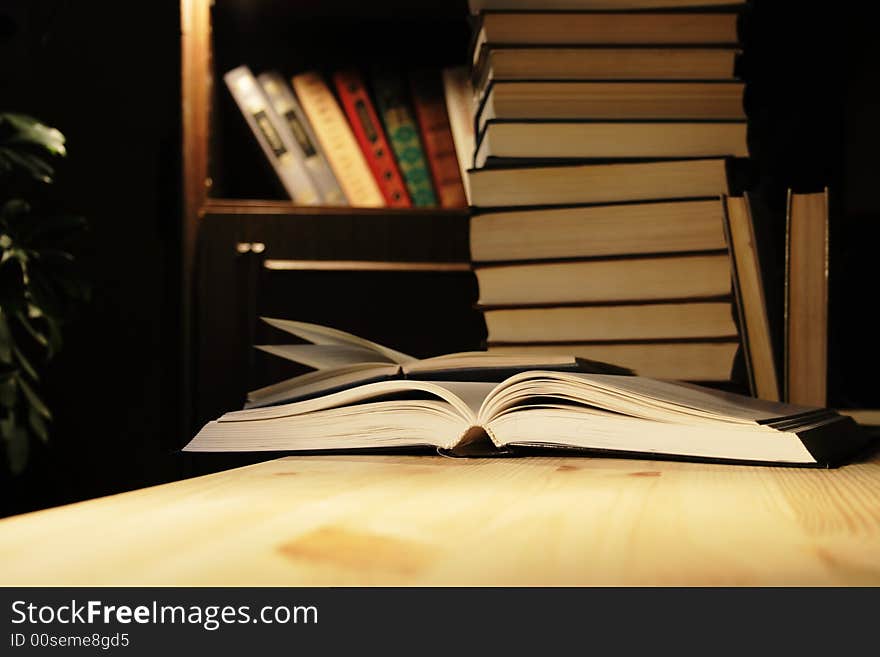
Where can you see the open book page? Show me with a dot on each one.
(484, 359)
(324, 335)
(640, 397)
(572, 427)
(398, 413)
(324, 356)
(464, 397)
(320, 382)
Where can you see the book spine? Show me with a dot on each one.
(430, 109)
(403, 134)
(300, 133)
(337, 141)
(370, 136)
(267, 127)
(459, 108)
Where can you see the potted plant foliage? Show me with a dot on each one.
(39, 284)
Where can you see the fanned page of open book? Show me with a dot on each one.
(344, 360)
(324, 335)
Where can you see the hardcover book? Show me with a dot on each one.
(460, 109)
(392, 100)
(612, 323)
(597, 183)
(430, 109)
(285, 156)
(337, 141)
(612, 100)
(605, 28)
(370, 136)
(589, 231)
(704, 361)
(699, 276)
(540, 409)
(806, 298)
(748, 283)
(503, 141)
(599, 63)
(476, 6)
(287, 107)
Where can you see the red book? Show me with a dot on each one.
(371, 138)
(429, 103)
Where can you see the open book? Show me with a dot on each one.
(343, 360)
(543, 409)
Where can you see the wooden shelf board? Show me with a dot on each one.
(363, 265)
(259, 206)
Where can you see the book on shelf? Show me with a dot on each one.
(614, 100)
(283, 153)
(460, 108)
(287, 107)
(600, 63)
(589, 231)
(370, 135)
(392, 100)
(543, 409)
(749, 280)
(429, 104)
(704, 361)
(342, 360)
(806, 298)
(605, 140)
(337, 141)
(637, 321)
(477, 6)
(571, 184)
(699, 276)
(535, 28)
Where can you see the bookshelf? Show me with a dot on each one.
(245, 248)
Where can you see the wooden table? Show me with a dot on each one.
(425, 520)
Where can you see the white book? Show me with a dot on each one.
(281, 151)
(460, 108)
(287, 107)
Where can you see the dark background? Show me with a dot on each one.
(107, 74)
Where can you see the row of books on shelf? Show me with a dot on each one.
(389, 148)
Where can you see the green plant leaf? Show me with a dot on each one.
(38, 425)
(32, 331)
(22, 129)
(26, 365)
(33, 165)
(34, 399)
(55, 337)
(8, 391)
(12, 289)
(42, 294)
(15, 439)
(6, 340)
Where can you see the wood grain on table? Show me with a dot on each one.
(426, 520)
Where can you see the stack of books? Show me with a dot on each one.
(346, 142)
(602, 148)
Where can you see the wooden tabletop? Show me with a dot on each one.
(425, 520)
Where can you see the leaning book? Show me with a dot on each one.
(539, 409)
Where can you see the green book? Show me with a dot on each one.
(403, 133)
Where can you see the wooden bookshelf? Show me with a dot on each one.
(243, 242)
